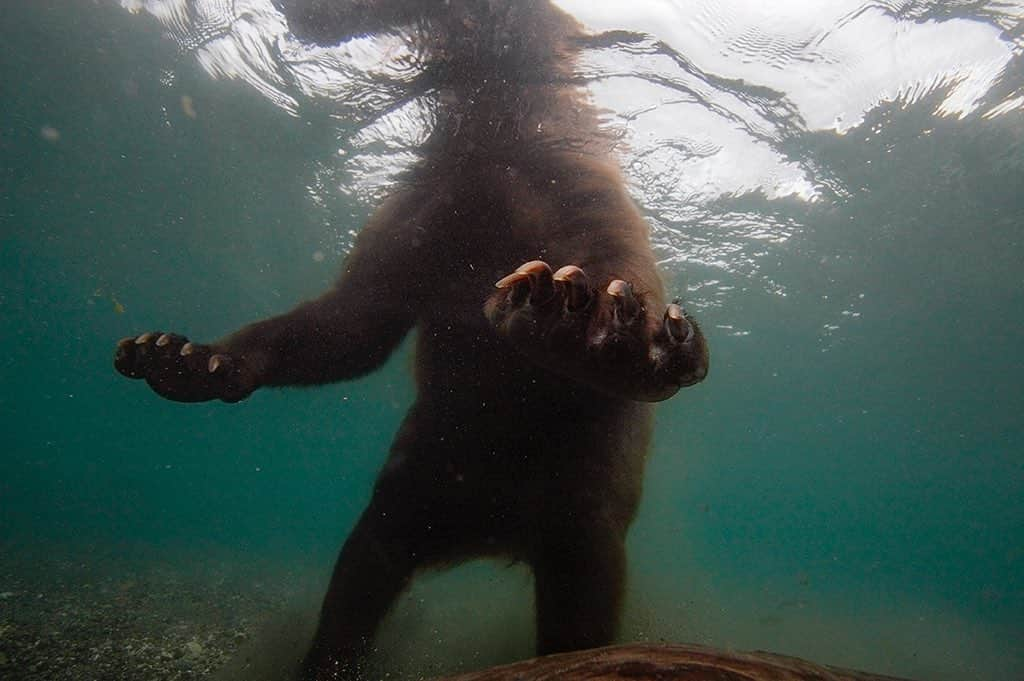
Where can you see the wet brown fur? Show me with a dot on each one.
(505, 452)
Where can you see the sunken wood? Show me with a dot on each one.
(668, 662)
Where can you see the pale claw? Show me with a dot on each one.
(574, 283)
(511, 280)
(625, 308)
(218, 362)
(676, 325)
(538, 274)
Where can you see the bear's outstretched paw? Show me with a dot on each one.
(606, 337)
(180, 370)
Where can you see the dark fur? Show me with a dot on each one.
(531, 425)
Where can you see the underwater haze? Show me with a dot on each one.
(834, 189)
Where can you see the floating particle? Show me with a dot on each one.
(318, 256)
(49, 133)
(99, 294)
(188, 107)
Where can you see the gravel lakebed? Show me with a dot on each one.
(85, 618)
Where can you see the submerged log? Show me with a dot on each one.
(667, 662)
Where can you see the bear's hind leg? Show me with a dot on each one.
(579, 586)
(374, 567)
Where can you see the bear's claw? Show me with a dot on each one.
(677, 327)
(575, 288)
(541, 284)
(625, 307)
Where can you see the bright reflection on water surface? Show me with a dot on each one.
(706, 97)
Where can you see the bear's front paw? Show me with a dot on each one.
(605, 336)
(183, 371)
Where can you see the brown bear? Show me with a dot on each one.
(529, 432)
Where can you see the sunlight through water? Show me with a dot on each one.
(704, 98)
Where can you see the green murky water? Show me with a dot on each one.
(848, 484)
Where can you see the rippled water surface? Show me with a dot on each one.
(834, 187)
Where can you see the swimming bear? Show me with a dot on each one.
(543, 332)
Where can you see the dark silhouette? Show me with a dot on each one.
(531, 424)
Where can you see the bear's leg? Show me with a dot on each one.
(374, 567)
(579, 586)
